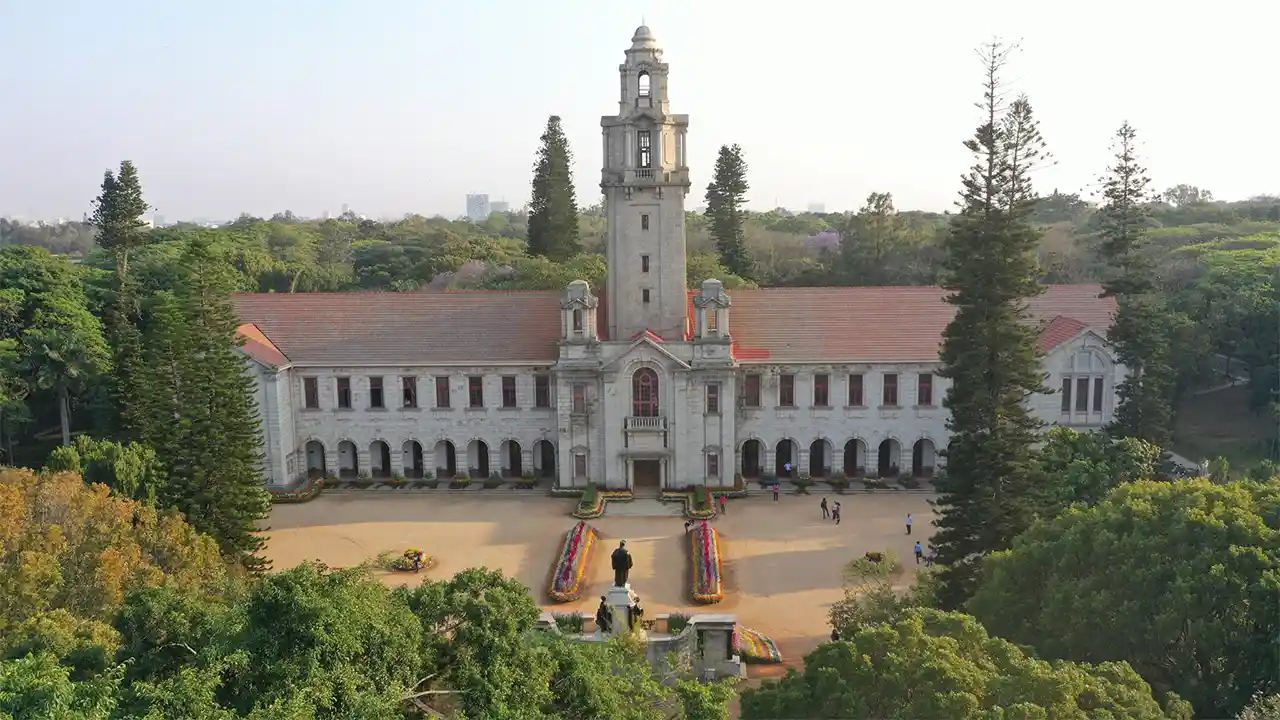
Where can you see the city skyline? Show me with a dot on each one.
(896, 123)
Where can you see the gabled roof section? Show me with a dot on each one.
(1059, 330)
(409, 328)
(259, 347)
(647, 333)
(650, 339)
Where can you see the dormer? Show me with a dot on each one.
(578, 313)
(712, 306)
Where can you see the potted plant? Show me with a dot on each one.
(493, 481)
(364, 481)
(424, 481)
(838, 483)
(397, 481)
(527, 481)
(459, 482)
(802, 483)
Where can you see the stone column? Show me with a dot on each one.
(495, 459)
(620, 600)
(397, 459)
(331, 459)
(904, 459)
(802, 462)
(526, 462)
(364, 463)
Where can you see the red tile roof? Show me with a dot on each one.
(875, 324)
(1059, 330)
(411, 328)
(259, 347)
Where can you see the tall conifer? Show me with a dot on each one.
(987, 491)
(553, 210)
(726, 196)
(1140, 333)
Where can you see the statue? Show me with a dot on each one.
(621, 565)
(635, 614)
(604, 617)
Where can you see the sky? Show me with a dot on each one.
(405, 106)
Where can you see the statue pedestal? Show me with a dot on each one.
(620, 600)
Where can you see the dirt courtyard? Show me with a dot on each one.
(782, 561)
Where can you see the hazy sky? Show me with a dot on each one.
(396, 106)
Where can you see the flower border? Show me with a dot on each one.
(707, 567)
(690, 506)
(602, 498)
(755, 647)
(573, 564)
(307, 492)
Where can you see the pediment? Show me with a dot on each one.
(645, 346)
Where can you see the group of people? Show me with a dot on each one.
(832, 513)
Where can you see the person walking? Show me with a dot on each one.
(786, 469)
(724, 504)
(919, 552)
(908, 523)
(776, 487)
(835, 513)
(825, 512)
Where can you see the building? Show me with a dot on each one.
(499, 206)
(817, 208)
(477, 207)
(642, 383)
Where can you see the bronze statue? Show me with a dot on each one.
(604, 616)
(635, 614)
(621, 564)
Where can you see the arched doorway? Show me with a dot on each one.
(348, 463)
(411, 459)
(820, 458)
(752, 458)
(380, 458)
(784, 455)
(446, 459)
(855, 458)
(544, 459)
(478, 459)
(923, 458)
(315, 459)
(890, 453)
(512, 459)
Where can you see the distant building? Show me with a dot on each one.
(501, 206)
(157, 220)
(477, 207)
(817, 208)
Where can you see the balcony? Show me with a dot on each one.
(646, 424)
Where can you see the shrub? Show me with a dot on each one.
(677, 622)
(909, 482)
(874, 484)
(459, 483)
(364, 482)
(493, 481)
(569, 622)
(590, 496)
(838, 483)
(397, 481)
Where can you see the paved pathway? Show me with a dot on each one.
(644, 508)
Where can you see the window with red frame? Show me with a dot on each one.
(644, 393)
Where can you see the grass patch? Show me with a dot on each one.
(1221, 424)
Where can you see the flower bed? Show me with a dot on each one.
(754, 647)
(568, 579)
(708, 582)
(308, 491)
(699, 504)
(404, 561)
(594, 500)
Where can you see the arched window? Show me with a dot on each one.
(644, 393)
(644, 84)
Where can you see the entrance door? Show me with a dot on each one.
(647, 474)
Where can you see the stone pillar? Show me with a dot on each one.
(904, 459)
(620, 600)
(769, 460)
(802, 462)
(495, 459)
(364, 463)
(398, 459)
(331, 459)
(526, 462)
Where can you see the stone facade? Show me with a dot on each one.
(646, 389)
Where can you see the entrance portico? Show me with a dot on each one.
(646, 471)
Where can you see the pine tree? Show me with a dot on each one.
(726, 195)
(203, 418)
(989, 352)
(1141, 331)
(553, 210)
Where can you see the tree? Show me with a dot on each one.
(870, 597)
(933, 664)
(117, 216)
(131, 470)
(726, 196)
(198, 407)
(1184, 195)
(36, 686)
(870, 238)
(553, 210)
(1140, 333)
(1083, 467)
(989, 351)
(1179, 579)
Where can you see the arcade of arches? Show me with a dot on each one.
(444, 460)
(822, 459)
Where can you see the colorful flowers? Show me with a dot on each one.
(708, 582)
(754, 647)
(298, 495)
(594, 499)
(569, 577)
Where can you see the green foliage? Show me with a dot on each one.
(117, 215)
(932, 664)
(553, 210)
(1162, 575)
(36, 686)
(1082, 467)
(726, 196)
(989, 349)
(1263, 707)
(130, 470)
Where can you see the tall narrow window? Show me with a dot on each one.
(375, 393)
(646, 153)
(1097, 394)
(1066, 395)
(409, 391)
(644, 261)
(542, 391)
(580, 465)
(579, 399)
(442, 392)
(644, 393)
(644, 295)
(1082, 394)
(577, 321)
(712, 321)
(786, 391)
(344, 392)
(751, 391)
(311, 393)
(713, 465)
(508, 391)
(475, 391)
(890, 390)
(713, 398)
(855, 391)
(644, 225)
(924, 389)
(642, 84)
(820, 390)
